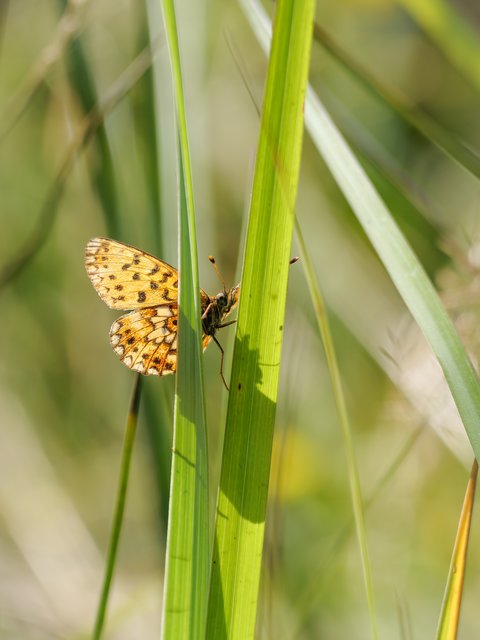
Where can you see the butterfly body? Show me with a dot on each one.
(126, 278)
(217, 310)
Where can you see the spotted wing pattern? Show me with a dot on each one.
(146, 340)
(127, 278)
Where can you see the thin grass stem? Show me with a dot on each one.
(130, 431)
(344, 421)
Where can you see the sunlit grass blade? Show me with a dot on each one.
(404, 268)
(452, 600)
(344, 421)
(242, 500)
(453, 35)
(119, 507)
(188, 548)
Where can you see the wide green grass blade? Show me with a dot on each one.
(253, 392)
(188, 549)
(396, 255)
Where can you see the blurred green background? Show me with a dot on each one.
(63, 393)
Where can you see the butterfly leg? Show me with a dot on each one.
(226, 324)
(204, 314)
(221, 361)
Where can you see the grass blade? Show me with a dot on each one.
(344, 421)
(188, 549)
(450, 614)
(253, 393)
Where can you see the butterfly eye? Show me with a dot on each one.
(221, 299)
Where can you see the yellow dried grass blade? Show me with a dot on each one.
(452, 600)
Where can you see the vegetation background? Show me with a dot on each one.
(406, 96)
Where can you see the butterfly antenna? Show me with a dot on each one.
(212, 260)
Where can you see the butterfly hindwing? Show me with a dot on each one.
(146, 340)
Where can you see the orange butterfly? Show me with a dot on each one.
(146, 338)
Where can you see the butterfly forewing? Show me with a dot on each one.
(127, 278)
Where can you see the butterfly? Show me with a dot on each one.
(145, 339)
